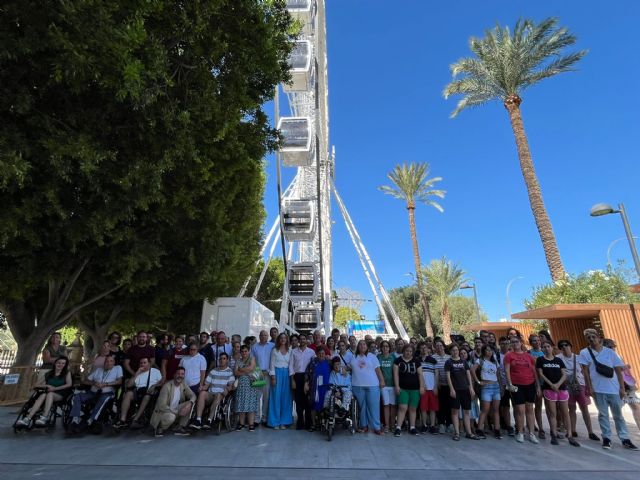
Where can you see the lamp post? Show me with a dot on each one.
(509, 288)
(601, 209)
(475, 297)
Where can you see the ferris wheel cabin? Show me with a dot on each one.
(304, 11)
(298, 220)
(300, 67)
(297, 147)
(302, 282)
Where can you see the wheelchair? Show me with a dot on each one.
(108, 415)
(337, 414)
(145, 418)
(58, 409)
(224, 417)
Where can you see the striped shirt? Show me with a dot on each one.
(441, 359)
(219, 379)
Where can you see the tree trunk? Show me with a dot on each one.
(29, 337)
(96, 329)
(417, 264)
(446, 321)
(545, 230)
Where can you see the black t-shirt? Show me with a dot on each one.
(408, 373)
(551, 369)
(136, 352)
(458, 369)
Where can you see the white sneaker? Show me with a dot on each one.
(519, 438)
(24, 422)
(442, 429)
(41, 421)
(533, 438)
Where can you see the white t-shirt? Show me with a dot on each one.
(488, 371)
(153, 375)
(192, 368)
(568, 362)
(363, 370)
(606, 356)
(175, 399)
(346, 357)
(101, 375)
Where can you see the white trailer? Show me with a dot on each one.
(242, 315)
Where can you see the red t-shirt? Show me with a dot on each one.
(522, 368)
(322, 346)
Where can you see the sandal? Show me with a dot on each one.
(239, 427)
(456, 437)
(471, 436)
(252, 428)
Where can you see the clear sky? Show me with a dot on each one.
(388, 64)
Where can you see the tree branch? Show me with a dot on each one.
(73, 310)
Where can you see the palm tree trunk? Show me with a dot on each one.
(446, 320)
(545, 230)
(416, 260)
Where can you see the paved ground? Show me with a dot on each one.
(283, 455)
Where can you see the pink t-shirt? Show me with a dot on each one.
(522, 368)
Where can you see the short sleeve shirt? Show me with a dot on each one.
(136, 352)
(552, 370)
(521, 365)
(386, 367)
(153, 376)
(606, 356)
(458, 371)
(100, 375)
(363, 370)
(408, 378)
(429, 368)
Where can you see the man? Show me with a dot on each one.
(195, 367)
(102, 381)
(298, 363)
(477, 349)
(261, 351)
(602, 370)
(221, 346)
(216, 386)
(273, 334)
(171, 361)
(174, 403)
(335, 334)
(505, 395)
(319, 344)
(140, 388)
(484, 336)
(235, 338)
(399, 347)
(536, 352)
(140, 350)
(204, 347)
(492, 342)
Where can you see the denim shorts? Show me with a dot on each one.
(491, 392)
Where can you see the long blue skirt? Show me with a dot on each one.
(280, 400)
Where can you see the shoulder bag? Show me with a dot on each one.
(604, 370)
(574, 386)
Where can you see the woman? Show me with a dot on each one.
(576, 389)
(367, 380)
(461, 392)
(52, 351)
(57, 383)
(552, 373)
(235, 355)
(386, 359)
(524, 387)
(630, 385)
(444, 395)
(246, 395)
(331, 345)
(409, 387)
(104, 352)
(485, 373)
(316, 383)
(294, 340)
(344, 353)
(474, 412)
(280, 398)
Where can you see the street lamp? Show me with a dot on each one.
(475, 297)
(601, 209)
(509, 288)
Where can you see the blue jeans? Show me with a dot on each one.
(369, 404)
(604, 402)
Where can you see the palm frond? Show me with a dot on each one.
(410, 182)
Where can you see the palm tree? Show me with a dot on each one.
(410, 183)
(443, 279)
(504, 65)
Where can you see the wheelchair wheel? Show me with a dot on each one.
(355, 417)
(230, 417)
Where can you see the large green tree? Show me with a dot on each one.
(411, 183)
(131, 148)
(504, 65)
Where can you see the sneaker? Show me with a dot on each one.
(541, 435)
(386, 429)
(593, 436)
(606, 443)
(519, 438)
(497, 434)
(182, 432)
(413, 431)
(424, 429)
(159, 433)
(252, 428)
(196, 424)
(480, 434)
(397, 432)
(378, 432)
(206, 424)
(441, 429)
(628, 445)
(23, 422)
(119, 424)
(240, 427)
(434, 430)
(471, 436)
(573, 442)
(511, 431)
(533, 438)
(41, 421)
(450, 429)
(554, 440)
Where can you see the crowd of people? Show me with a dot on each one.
(490, 387)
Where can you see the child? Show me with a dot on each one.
(339, 377)
(317, 383)
(429, 400)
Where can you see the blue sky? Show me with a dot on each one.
(388, 64)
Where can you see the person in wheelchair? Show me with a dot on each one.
(139, 390)
(55, 387)
(103, 382)
(216, 386)
(340, 378)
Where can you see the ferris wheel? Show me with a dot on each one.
(304, 227)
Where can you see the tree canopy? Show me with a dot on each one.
(131, 152)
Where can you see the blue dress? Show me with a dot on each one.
(318, 377)
(280, 399)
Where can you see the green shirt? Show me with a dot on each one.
(386, 367)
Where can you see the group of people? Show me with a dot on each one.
(426, 386)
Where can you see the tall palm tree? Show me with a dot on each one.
(411, 184)
(443, 279)
(504, 65)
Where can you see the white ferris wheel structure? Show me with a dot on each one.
(303, 227)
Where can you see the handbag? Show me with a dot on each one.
(574, 386)
(604, 370)
(257, 380)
